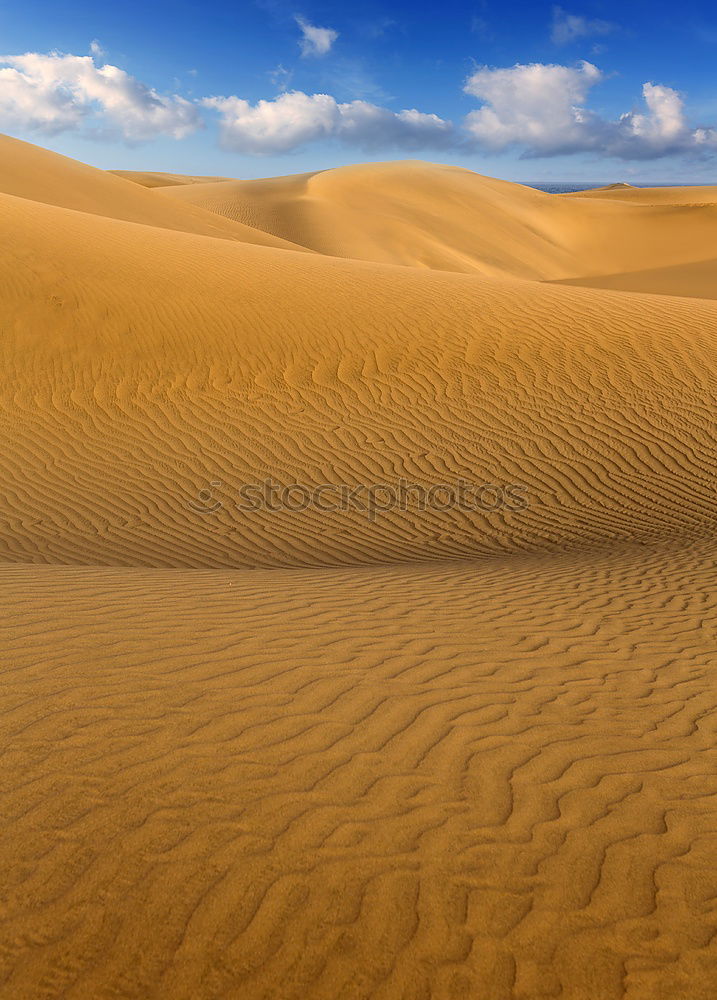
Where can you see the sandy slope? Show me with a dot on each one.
(132, 368)
(36, 174)
(692, 195)
(488, 782)
(153, 179)
(432, 216)
(697, 280)
(424, 754)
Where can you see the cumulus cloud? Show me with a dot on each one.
(315, 41)
(372, 127)
(291, 120)
(661, 129)
(55, 92)
(540, 106)
(568, 28)
(294, 119)
(665, 119)
(543, 109)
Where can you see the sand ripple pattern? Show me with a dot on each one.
(441, 755)
(433, 782)
(130, 386)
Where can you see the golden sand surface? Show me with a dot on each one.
(40, 177)
(427, 215)
(692, 194)
(385, 752)
(153, 179)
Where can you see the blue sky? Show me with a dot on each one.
(585, 91)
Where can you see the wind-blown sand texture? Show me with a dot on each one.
(152, 179)
(277, 755)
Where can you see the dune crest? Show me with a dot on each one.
(382, 373)
(153, 179)
(447, 218)
(38, 175)
(693, 194)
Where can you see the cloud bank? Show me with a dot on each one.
(53, 93)
(540, 109)
(294, 119)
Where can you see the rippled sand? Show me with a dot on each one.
(276, 755)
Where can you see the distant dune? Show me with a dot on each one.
(447, 218)
(40, 177)
(151, 179)
(388, 751)
(692, 195)
(619, 186)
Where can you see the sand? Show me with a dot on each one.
(431, 216)
(405, 753)
(154, 179)
(39, 176)
(694, 194)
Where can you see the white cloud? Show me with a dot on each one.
(96, 49)
(277, 126)
(567, 28)
(294, 119)
(542, 108)
(665, 120)
(662, 129)
(315, 41)
(370, 127)
(55, 92)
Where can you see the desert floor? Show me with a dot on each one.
(390, 752)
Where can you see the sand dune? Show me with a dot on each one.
(697, 280)
(384, 373)
(425, 752)
(692, 195)
(153, 179)
(37, 175)
(431, 216)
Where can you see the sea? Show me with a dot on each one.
(554, 187)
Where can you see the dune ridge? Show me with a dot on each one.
(430, 376)
(40, 176)
(425, 754)
(153, 179)
(448, 218)
(693, 194)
